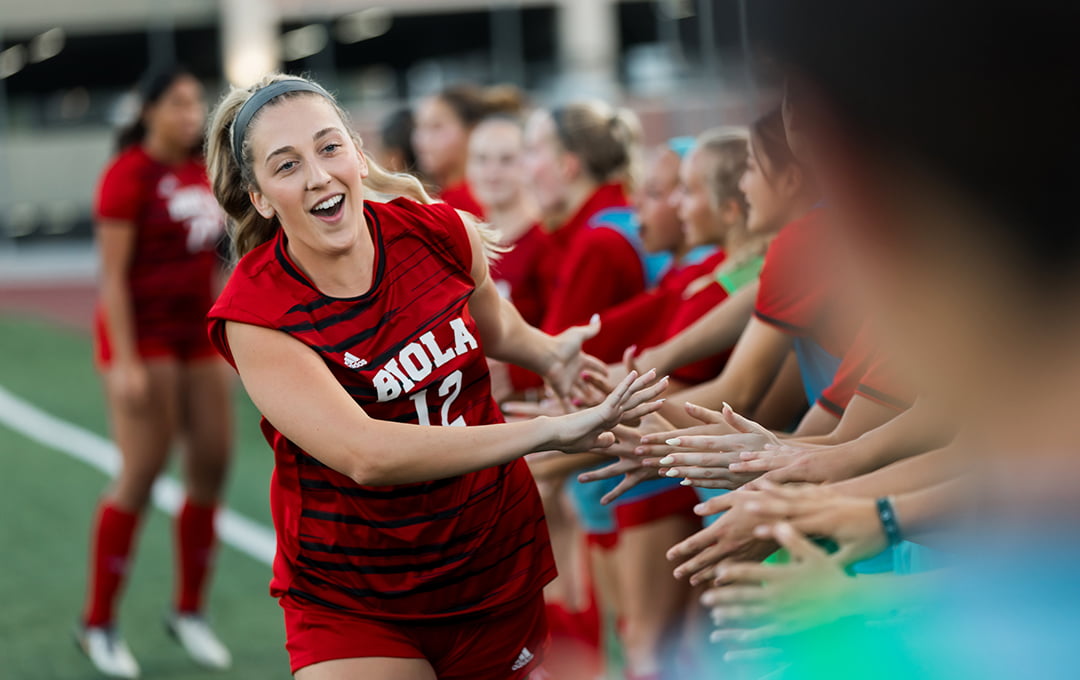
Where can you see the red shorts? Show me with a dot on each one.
(677, 501)
(190, 345)
(505, 646)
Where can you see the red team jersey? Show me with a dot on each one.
(596, 268)
(460, 196)
(801, 295)
(406, 351)
(659, 314)
(177, 225)
(518, 274)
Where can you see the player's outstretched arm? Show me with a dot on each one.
(755, 361)
(295, 390)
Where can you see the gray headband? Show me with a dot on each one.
(259, 99)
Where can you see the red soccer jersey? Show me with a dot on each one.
(460, 196)
(799, 290)
(656, 315)
(598, 268)
(519, 275)
(836, 397)
(883, 384)
(407, 351)
(177, 227)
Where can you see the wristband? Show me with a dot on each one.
(887, 515)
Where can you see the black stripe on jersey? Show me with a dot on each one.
(366, 392)
(341, 518)
(408, 568)
(887, 399)
(326, 322)
(380, 259)
(425, 255)
(406, 551)
(831, 406)
(790, 329)
(426, 325)
(315, 599)
(329, 321)
(304, 459)
(427, 587)
(393, 492)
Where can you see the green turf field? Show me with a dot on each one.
(46, 506)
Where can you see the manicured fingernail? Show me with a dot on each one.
(686, 482)
(699, 509)
(673, 442)
(595, 319)
(667, 460)
(728, 406)
(673, 472)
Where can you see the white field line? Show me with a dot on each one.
(246, 535)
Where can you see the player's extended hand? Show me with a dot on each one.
(815, 510)
(823, 465)
(565, 374)
(730, 536)
(758, 602)
(591, 428)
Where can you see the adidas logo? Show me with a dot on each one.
(523, 659)
(353, 361)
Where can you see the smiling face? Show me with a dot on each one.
(701, 218)
(440, 139)
(661, 230)
(495, 172)
(546, 166)
(309, 173)
(766, 202)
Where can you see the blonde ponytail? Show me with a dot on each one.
(232, 183)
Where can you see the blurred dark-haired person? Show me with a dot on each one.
(963, 238)
(444, 122)
(397, 153)
(158, 227)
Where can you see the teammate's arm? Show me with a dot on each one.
(713, 333)
(295, 390)
(116, 245)
(754, 363)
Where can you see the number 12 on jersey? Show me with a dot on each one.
(449, 389)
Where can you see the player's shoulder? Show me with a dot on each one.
(129, 159)
(260, 282)
(436, 224)
(407, 210)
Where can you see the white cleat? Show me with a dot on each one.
(107, 651)
(199, 641)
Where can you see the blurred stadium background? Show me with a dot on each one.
(67, 70)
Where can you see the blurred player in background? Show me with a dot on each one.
(397, 152)
(158, 228)
(443, 124)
